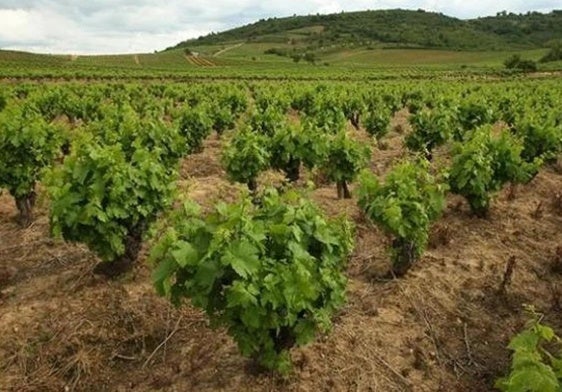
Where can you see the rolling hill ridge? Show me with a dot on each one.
(394, 28)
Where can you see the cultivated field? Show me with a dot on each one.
(431, 201)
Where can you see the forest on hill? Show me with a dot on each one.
(397, 28)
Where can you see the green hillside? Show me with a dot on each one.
(323, 45)
(393, 28)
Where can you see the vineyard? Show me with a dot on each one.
(329, 233)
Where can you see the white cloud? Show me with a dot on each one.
(17, 26)
(129, 26)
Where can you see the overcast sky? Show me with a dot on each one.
(134, 26)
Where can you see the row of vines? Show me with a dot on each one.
(270, 268)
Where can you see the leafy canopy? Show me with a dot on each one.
(483, 164)
(29, 145)
(404, 205)
(194, 126)
(345, 158)
(271, 274)
(430, 128)
(100, 194)
(245, 156)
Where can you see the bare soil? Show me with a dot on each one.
(443, 327)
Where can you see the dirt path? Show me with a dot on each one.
(217, 54)
(136, 58)
(190, 59)
(199, 61)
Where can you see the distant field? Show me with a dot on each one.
(245, 51)
(370, 57)
(248, 60)
(407, 57)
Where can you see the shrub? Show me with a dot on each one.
(533, 368)
(292, 145)
(276, 51)
(542, 137)
(471, 115)
(122, 125)
(194, 126)
(345, 158)
(222, 118)
(516, 62)
(51, 103)
(271, 274)
(377, 123)
(106, 199)
(118, 177)
(430, 128)
(327, 118)
(29, 145)
(404, 205)
(483, 164)
(413, 100)
(267, 121)
(245, 157)
(353, 108)
(555, 52)
(310, 58)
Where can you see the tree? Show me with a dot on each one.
(516, 62)
(555, 52)
(272, 274)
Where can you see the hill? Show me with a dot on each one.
(366, 41)
(392, 28)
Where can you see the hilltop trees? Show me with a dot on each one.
(555, 52)
(516, 62)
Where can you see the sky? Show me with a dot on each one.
(140, 26)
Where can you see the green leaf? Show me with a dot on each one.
(243, 257)
(533, 380)
(162, 274)
(185, 254)
(239, 295)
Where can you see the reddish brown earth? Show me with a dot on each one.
(443, 327)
